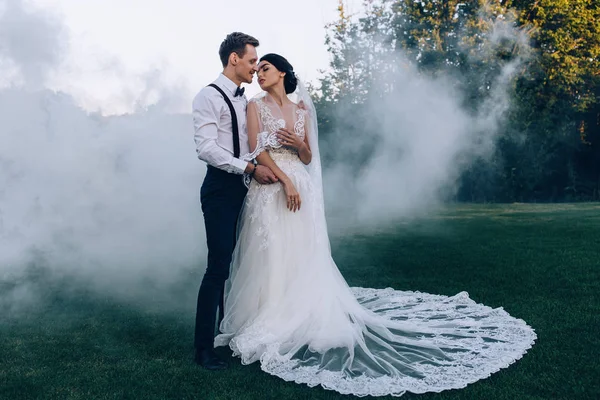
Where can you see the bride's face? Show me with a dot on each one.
(269, 76)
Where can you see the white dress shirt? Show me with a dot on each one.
(213, 132)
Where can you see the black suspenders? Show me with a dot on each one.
(234, 122)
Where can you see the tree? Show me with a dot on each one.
(550, 144)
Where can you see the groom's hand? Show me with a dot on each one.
(264, 175)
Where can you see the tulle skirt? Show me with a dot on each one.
(288, 307)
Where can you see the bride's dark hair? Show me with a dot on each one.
(290, 81)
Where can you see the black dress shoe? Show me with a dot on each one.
(209, 360)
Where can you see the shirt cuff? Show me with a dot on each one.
(239, 165)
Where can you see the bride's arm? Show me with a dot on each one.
(293, 198)
(304, 150)
(305, 153)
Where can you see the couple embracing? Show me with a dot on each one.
(271, 286)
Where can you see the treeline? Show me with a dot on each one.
(548, 145)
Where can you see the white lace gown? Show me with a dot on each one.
(288, 307)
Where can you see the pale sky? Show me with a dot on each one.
(113, 44)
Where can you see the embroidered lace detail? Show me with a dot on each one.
(491, 340)
(286, 158)
(260, 196)
(267, 140)
(283, 154)
(299, 125)
(270, 123)
(257, 198)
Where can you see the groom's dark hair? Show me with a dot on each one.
(235, 43)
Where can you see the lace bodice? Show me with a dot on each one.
(287, 159)
(270, 126)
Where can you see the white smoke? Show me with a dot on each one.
(113, 201)
(32, 44)
(423, 135)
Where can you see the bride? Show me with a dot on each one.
(288, 307)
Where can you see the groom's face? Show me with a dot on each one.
(246, 66)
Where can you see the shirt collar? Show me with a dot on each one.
(227, 84)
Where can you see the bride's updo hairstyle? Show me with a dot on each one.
(290, 81)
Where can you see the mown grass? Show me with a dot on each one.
(540, 262)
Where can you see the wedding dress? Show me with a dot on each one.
(288, 307)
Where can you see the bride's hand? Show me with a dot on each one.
(292, 196)
(289, 139)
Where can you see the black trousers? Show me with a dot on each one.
(222, 196)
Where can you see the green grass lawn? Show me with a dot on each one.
(540, 262)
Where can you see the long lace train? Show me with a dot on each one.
(475, 341)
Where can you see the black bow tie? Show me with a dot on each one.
(239, 92)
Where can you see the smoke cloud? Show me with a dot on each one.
(114, 201)
(421, 134)
(110, 201)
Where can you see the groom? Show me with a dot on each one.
(219, 113)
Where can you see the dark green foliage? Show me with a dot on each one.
(549, 139)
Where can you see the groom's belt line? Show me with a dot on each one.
(234, 122)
